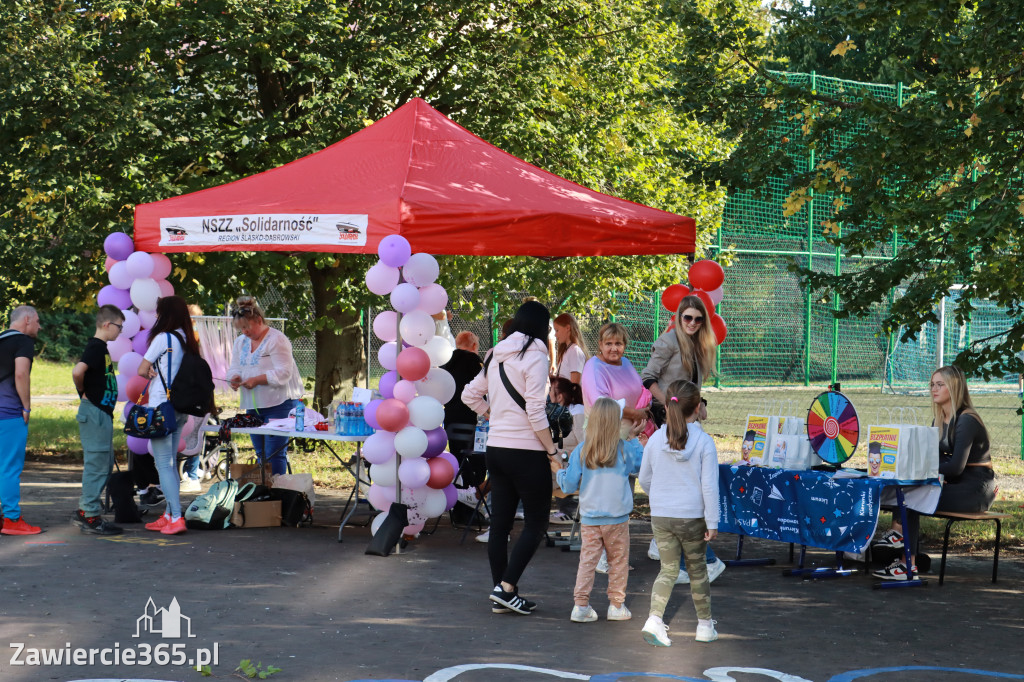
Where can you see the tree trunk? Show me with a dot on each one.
(340, 356)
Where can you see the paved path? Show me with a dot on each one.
(320, 610)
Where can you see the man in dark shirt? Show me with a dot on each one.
(97, 387)
(464, 365)
(17, 348)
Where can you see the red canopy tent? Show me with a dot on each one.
(418, 174)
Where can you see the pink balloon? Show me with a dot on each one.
(108, 263)
(379, 448)
(134, 388)
(405, 391)
(166, 288)
(381, 496)
(433, 299)
(414, 473)
(118, 347)
(385, 325)
(405, 297)
(414, 528)
(392, 415)
(140, 446)
(394, 250)
(413, 364)
(188, 427)
(451, 496)
(111, 295)
(437, 440)
(387, 385)
(140, 342)
(370, 414)
(161, 266)
(147, 318)
(181, 444)
(441, 472)
(129, 364)
(381, 279)
(118, 246)
(119, 275)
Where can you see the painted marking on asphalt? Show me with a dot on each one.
(136, 540)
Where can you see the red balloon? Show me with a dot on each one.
(719, 327)
(441, 473)
(392, 415)
(134, 388)
(707, 275)
(703, 296)
(671, 297)
(413, 364)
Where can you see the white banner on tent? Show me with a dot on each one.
(283, 229)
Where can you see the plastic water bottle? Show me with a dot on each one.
(300, 416)
(364, 428)
(337, 419)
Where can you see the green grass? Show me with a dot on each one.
(52, 378)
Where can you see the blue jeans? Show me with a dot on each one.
(13, 438)
(191, 468)
(96, 430)
(165, 457)
(274, 447)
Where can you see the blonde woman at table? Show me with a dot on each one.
(684, 353)
(264, 373)
(679, 472)
(570, 349)
(969, 481)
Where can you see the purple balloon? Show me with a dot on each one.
(437, 440)
(111, 295)
(140, 342)
(370, 414)
(127, 408)
(387, 384)
(118, 246)
(450, 496)
(379, 448)
(394, 250)
(140, 446)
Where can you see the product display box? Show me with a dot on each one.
(257, 514)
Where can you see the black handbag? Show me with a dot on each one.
(152, 422)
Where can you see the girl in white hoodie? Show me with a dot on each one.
(518, 446)
(680, 475)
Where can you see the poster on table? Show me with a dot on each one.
(756, 438)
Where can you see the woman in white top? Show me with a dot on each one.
(171, 333)
(571, 352)
(264, 373)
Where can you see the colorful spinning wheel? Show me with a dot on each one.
(833, 427)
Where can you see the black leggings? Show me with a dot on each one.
(973, 491)
(516, 475)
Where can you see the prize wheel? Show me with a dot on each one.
(833, 427)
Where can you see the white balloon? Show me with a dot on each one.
(377, 522)
(383, 474)
(147, 318)
(139, 265)
(387, 355)
(421, 269)
(438, 384)
(144, 293)
(439, 349)
(119, 347)
(433, 299)
(417, 328)
(411, 442)
(434, 504)
(161, 266)
(385, 326)
(119, 275)
(426, 413)
(131, 325)
(716, 296)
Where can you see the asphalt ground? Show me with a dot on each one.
(317, 609)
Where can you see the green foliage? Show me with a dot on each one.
(255, 670)
(63, 334)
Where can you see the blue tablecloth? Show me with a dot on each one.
(804, 507)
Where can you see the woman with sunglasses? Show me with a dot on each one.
(264, 373)
(685, 352)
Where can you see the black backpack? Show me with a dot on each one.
(191, 391)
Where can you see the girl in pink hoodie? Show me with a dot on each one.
(513, 388)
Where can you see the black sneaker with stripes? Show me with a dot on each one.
(511, 600)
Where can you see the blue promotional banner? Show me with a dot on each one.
(804, 507)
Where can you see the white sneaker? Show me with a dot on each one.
(520, 516)
(715, 569)
(656, 632)
(560, 518)
(619, 612)
(190, 486)
(652, 551)
(706, 631)
(602, 564)
(484, 537)
(683, 578)
(467, 496)
(583, 614)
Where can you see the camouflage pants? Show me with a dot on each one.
(675, 538)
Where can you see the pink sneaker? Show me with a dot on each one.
(159, 524)
(174, 527)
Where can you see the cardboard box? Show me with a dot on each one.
(257, 514)
(250, 473)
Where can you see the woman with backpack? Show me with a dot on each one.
(171, 335)
(264, 373)
(513, 387)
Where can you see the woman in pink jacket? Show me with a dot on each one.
(513, 387)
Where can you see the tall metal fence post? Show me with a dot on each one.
(494, 322)
(810, 263)
(835, 320)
